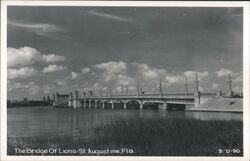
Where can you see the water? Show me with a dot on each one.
(79, 123)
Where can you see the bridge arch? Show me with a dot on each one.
(133, 104)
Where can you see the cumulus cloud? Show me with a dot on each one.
(52, 58)
(85, 70)
(112, 67)
(173, 79)
(223, 72)
(111, 70)
(237, 79)
(191, 74)
(124, 80)
(24, 72)
(74, 75)
(53, 68)
(26, 56)
(149, 72)
(215, 86)
(22, 57)
(61, 82)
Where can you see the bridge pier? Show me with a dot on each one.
(70, 103)
(125, 105)
(113, 105)
(103, 105)
(84, 104)
(76, 103)
(96, 104)
(89, 103)
(141, 106)
(165, 106)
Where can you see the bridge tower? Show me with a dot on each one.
(230, 92)
(186, 85)
(76, 101)
(138, 89)
(141, 90)
(197, 82)
(197, 92)
(101, 92)
(122, 90)
(70, 104)
(160, 87)
(110, 92)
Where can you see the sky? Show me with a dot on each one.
(81, 48)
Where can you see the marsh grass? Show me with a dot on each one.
(147, 137)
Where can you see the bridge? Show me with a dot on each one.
(164, 101)
(140, 100)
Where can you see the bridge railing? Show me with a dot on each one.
(208, 94)
(61, 102)
(147, 95)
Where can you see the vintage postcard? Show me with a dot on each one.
(124, 80)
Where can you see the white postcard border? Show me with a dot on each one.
(246, 74)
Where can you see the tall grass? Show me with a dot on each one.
(158, 137)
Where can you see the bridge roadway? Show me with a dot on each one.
(161, 100)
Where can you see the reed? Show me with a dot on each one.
(147, 137)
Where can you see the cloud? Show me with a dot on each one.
(41, 29)
(53, 68)
(112, 67)
(52, 58)
(191, 74)
(61, 82)
(223, 72)
(85, 70)
(215, 86)
(173, 79)
(110, 16)
(149, 73)
(26, 56)
(74, 75)
(24, 72)
(109, 71)
(124, 80)
(22, 57)
(31, 89)
(237, 79)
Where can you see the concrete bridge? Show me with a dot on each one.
(164, 101)
(140, 100)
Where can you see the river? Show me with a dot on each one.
(79, 123)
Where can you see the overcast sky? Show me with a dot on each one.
(67, 48)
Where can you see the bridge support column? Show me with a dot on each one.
(165, 106)
(76, 103)
(89, 103)
(113, 105)
(103, 105)
(84, 104)
(125, 105)
(96, 104)
(141, 106)
(70, 103)
(197, 99)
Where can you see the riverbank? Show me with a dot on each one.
(221, 104)
(147, 137)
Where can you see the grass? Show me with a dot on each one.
(158, 137)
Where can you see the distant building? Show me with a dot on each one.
(25, 100)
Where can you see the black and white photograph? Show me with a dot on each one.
(127, 80)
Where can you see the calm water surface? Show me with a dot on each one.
(76, 123)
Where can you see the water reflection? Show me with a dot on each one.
(80, 123)
(214, 115)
